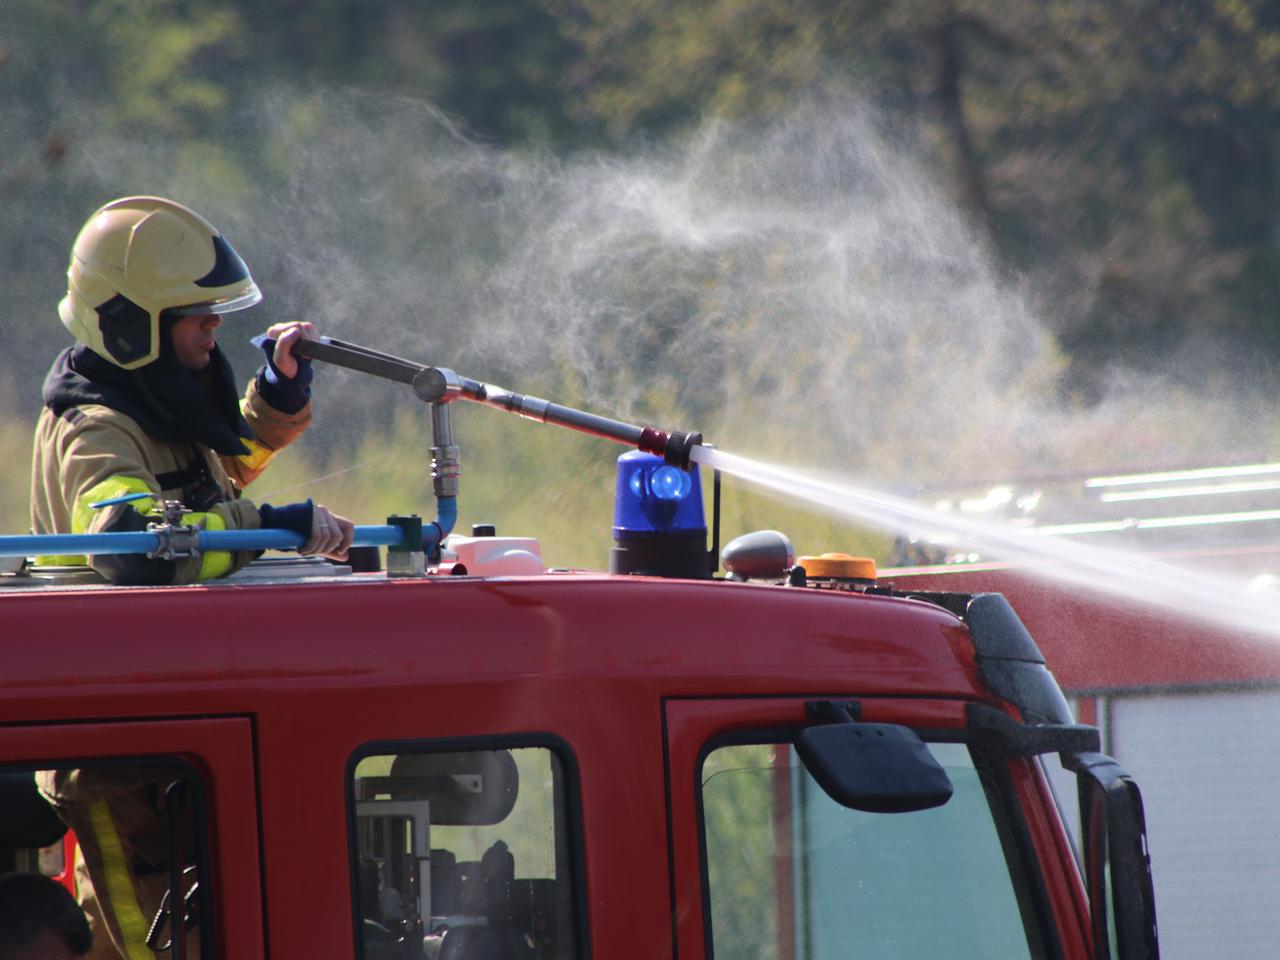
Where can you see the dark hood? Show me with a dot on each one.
(167, 400)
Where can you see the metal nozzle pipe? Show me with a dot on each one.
(544, 411)
(673, 446)
(439, 385)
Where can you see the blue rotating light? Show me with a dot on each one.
(659, 527)
(653, 497)
(663, 482)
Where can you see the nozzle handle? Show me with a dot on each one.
(359, 358)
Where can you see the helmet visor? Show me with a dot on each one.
(242, 300)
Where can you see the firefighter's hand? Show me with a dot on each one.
(331, 534)
(286, 335)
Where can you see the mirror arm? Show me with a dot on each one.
(1029, 740)
(828, 711)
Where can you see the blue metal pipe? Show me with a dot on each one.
(97, 544)
(446, 517)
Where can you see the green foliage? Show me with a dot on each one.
(655, 63)
(494, 67)
(159, 54)
(15, 474)
(743, 850)
(1120, 153)
(1129, 141)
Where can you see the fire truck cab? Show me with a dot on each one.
(470, 757)
(563, 765)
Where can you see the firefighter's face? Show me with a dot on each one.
(193, 340)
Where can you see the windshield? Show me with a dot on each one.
(794, 876)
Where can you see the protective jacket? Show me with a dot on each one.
(123, 852)
(162, 430)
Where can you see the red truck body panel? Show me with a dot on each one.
(270, 688)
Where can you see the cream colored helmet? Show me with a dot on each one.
(138, 257)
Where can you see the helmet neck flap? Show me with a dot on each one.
(166, 399)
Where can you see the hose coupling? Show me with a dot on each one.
(673, 447)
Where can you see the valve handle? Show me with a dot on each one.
(123, 498)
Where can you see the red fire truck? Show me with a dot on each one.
(469, 756)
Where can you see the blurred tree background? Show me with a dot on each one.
(906, 241)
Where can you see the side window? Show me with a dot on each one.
(1062, 781)
(125, 837)
(791, 873)
(1063, 784)
(462, 853)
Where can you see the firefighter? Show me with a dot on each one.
(145, 402)
(120, 818)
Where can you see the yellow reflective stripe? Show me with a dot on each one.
(258, 456)
(82, 514)
(213, 563)
(63, 560)
(123, 905)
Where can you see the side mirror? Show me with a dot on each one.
(1117, 861)
(875, 767)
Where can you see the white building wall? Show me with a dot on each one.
(1208, 765)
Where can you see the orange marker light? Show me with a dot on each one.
(839, 565)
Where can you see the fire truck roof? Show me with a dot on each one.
(557, 631)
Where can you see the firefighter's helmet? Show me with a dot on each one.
(141, 256)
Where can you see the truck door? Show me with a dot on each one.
(198, 775)
(766, 864)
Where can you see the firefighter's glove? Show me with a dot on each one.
(285, 380)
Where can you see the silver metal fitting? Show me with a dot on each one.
(406, 563)
(175, 541)
(172, 511)
(446, 458)
(437, 385)
(446, 470)
(534, 408)
(409, 559)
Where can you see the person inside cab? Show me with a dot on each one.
(39, 920)
(144, 408)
